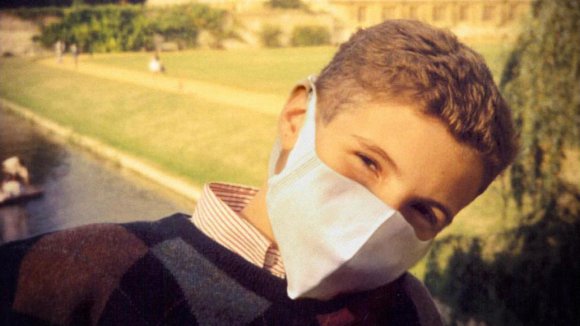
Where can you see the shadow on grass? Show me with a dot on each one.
(533, 280)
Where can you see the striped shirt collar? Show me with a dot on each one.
(216, 215)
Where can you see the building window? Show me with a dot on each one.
(488, 13)
(413, 12)
(439, 13)
(361, 14)
(389, 13)
(463, 13)
(512, 12)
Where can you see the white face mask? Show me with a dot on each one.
(334, 235)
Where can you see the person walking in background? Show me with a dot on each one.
(74, 50)
(59, 50)
(155, 64)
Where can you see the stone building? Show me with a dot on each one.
(16, 36)
(469, 19)
(442, 12)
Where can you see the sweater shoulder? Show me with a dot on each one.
(96, 245)
(52, 275)
(425, 308)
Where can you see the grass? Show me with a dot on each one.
(201, 140)
(264, 70)
(196, 139)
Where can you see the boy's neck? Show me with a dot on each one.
(256, 212)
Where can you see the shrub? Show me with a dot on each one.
(131, 27)
(100, 29)
(310, 36)
(270, 36)
(286, 4)
(182, 24)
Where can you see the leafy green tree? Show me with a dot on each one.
(183, 23)
(535, 280)
(542, 84)
(132, 27)
(100, 29)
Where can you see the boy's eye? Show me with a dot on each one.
(426, 213)
(368, 162)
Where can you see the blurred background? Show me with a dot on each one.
(191, 90)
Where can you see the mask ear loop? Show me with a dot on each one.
(312, 92)
(312, 83)
(274, 156)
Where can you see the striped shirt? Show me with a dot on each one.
(216, 215)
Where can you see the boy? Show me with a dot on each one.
(399, 132)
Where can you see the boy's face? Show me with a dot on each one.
(406, 158)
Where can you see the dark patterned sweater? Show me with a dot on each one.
(169, 273)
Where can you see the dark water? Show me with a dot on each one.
(78, 187)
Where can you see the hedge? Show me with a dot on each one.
(114, 28)
(310, 36)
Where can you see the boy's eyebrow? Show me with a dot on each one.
(377, 150)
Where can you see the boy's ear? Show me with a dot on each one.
(292, 117)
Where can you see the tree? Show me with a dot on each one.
(132, 27)
(535, 280)
(100, 28)
(542, 83)
(183, 23)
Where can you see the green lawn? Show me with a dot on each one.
(196, 139)
(265, 70)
